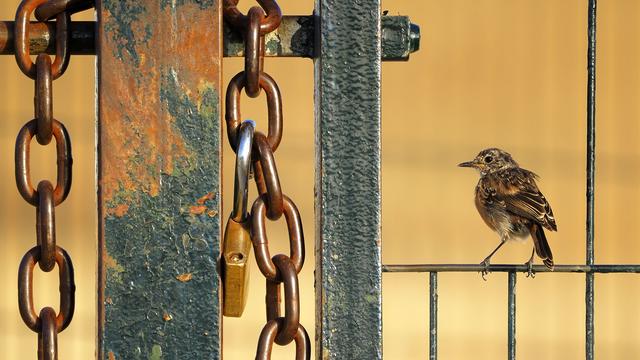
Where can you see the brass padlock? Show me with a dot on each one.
(237, 236)
(236, 252)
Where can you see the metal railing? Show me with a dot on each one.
(434, 269)
(589, 269)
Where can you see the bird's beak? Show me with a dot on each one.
(471, 164)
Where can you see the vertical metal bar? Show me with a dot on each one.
(589, 317)
(512, 316)
(591, 163)
(348, 263)
(433, 316)
(159, 187)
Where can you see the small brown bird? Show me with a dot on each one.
(510, 203)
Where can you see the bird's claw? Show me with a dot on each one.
(530, 272)
(485, 271)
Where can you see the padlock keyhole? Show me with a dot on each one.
(236, 257)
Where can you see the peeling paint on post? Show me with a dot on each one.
(159, 188)
(348, 264)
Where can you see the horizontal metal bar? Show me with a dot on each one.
(43, 35)
(420, 268)
(294, 38)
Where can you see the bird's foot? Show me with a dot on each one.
(485, 271)
(530, 272)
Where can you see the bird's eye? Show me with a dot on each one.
(488, 159)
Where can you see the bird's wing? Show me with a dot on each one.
(520, 195)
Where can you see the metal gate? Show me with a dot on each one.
(159, 150)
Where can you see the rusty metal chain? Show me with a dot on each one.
(45, 197)
(53, 8)
(280, 270)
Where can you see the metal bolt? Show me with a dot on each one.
(414, 37)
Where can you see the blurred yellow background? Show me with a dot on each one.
(503, 73)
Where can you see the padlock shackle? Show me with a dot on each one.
(243, 167)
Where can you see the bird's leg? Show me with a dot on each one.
(487, 261)
(529, 264)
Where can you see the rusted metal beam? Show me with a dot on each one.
(294, 38)
(159, 179)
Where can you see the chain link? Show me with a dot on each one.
(280, 270)
(267, 179)
(268, 335)
(44, 99)
(48, 337)
(53, 8)
(45, 198)
(22, 26)
(23, 169)
(254, 55)
(46, 226)
(274, 109)
(261, 243)
(268, 23)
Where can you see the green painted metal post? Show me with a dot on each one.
(348, 264)
(159, 179)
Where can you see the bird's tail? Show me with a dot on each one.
(541, 245)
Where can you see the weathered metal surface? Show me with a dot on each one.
(294, 38)
(591, 175)
(159, 190)
(511, 317)
(348, 265)
(433, 316)
(601, 269)
(43, 35)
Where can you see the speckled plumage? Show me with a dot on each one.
(510, 203)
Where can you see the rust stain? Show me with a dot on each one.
(111, 356)
(139, 140)
(197, 209)
(186, 277)
(111, 263)
(167, 317)
(109, 300)
(205, 198)
(121, 210)
(191, 21)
